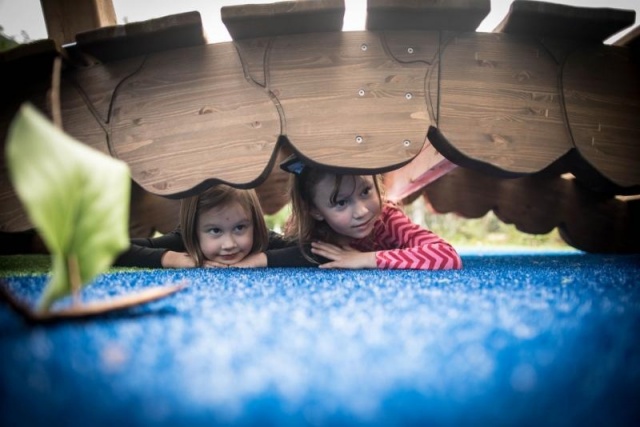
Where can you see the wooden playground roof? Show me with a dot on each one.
(416, 94)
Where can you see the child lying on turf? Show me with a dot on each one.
(346, 223)
(218, 228)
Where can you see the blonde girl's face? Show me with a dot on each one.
(225, 233)
(356, 207)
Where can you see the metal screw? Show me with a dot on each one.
(406, 143)
(359, 139)
(408, 95)
(361, 92)
(363, 47)
(410, 50)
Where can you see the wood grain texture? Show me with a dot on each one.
(535, 204)
(285, 17)
(182, 128)
(66, 18)
(25, 76)
(115, 42)
(347, 104)
(542, 19)
(454, 15)
(87, 95)
(500, 104)
(601, 87)
(150, 213)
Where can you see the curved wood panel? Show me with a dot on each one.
(500, 104)
(25, 76)
(346, 103)
(535, 204)
(180, 126)
(249, 21)
(86, 96)
(602, 97)
(149, 213)
(450, 15)
(543, 19)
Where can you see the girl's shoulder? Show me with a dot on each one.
(278, 241)
(391, 209)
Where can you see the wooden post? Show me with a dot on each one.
(66, 18)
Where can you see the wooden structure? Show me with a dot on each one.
(471, 121)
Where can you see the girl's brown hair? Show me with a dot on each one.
(219, 196)
(301, 226)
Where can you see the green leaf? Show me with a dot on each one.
(76, 197)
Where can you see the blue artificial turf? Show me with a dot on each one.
(524, 339)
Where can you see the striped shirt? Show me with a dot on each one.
(401, 244)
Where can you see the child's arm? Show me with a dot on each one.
(166, 251)
(343, 256)
(411, 246)
(278, 256)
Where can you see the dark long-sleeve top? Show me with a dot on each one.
(398, 243)
(147, 252)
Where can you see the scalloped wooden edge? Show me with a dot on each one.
(92, 309)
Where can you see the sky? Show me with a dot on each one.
(18, 17)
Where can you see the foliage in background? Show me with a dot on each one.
(6, 42)
(76, 197)
(488, 230)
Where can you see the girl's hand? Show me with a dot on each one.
(252, 261)
(212, 264)
(171, 259)
(343, 256)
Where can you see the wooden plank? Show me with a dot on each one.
(182, 128)
(537, 204)
(346, 103)
(87, 96)
(139, 38)
(500, 104)
(453, 15)
(541, 19)
(149, 213)
(631, 40)
(280, 18)
(25, 76)
(66, 18)
(601, 89)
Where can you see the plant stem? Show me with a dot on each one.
(74, 278)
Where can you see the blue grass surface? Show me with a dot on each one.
(522, 339)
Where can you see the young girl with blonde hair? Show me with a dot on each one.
(218, 228)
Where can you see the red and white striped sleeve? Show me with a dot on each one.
(406, 245)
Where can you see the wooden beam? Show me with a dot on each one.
(66, 18)
(286, 17)
(461, 15)
(541, 19)
(536, 204)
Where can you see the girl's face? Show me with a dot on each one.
(225, 233)
(356, 208)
